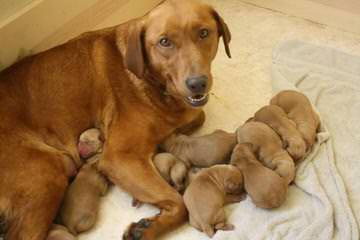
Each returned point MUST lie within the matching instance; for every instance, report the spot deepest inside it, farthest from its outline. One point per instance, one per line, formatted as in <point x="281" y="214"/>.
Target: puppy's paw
<point x="137" y="231"/>
<point x="286" y="170"/>
<point x="224" y="226"/>
<point x="296" y="147"/>
<point x="59" y="232"/>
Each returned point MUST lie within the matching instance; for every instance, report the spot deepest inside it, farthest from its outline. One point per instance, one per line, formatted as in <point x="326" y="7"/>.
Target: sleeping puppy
<point x="265" y="188"/>
<point x="208" y="193"/>
<point x="90" y="143"/>
<point x="82" y="198"/>
<point x="269" y="148"/>
<point x="204" y="151"/>
<point x="171" y="169"/>
<point x="59" y="232"/>
<point x="278" y="120"/>
<point x="191" y="174"/>
<point x="298" y="108"/>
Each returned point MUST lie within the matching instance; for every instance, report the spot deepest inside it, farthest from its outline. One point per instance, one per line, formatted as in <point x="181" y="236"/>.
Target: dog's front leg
<point x="133" y="171"/>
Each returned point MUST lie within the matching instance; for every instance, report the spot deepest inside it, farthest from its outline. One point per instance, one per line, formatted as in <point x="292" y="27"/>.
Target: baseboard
<point x="323" y="12"/>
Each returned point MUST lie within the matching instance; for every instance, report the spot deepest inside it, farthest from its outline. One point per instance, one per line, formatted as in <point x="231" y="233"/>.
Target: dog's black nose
<point x="197" y="85"/>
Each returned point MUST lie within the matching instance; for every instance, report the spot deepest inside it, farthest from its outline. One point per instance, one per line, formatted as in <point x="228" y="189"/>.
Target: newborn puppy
<point x="59" y="232"/>
<point x="81" y="203"/>
<point x="265" y="188"/>
<point x="90" y="143"/>
<point x="278" y="120"/>
<point x="204" y="151"/>
<point x="299" y="109"/>
<point x="268" y="145"/>
<point x="191" y="174"/>
<point x="171" y="169"/>
<point x="208" y="193"/>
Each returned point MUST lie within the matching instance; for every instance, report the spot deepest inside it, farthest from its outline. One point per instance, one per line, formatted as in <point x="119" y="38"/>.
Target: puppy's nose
<point x="197" y="85"/>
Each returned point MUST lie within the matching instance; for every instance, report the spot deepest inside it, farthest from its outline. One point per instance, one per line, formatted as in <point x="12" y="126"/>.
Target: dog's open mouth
<point x="197" y="100"/>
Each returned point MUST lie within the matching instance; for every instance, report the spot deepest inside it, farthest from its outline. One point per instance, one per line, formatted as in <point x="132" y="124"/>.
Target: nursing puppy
<point x="81" y="203"/>
<point x="298" y="108"/>
<point x="265" y="188"/>
<point x="90" y="143"/>
<point x="171" y="169"/>
<point x="208" y="193"/>
<point x="269" y="148"/>
<point x="278" y="120"/>
<point x="204" y="151"/>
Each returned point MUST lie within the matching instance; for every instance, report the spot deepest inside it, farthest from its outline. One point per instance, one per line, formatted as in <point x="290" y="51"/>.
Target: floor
<point x="242" y="85"/>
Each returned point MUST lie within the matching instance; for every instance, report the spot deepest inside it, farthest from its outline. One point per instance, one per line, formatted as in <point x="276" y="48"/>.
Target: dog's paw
<point x="136" y="231"/>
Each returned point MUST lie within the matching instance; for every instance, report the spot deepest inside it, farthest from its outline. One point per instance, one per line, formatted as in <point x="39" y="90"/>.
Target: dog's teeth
<point x="197" y="99"/>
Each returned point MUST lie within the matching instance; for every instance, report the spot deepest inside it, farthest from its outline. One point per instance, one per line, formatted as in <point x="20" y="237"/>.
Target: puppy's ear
<point x="250" y="146"/>
<point x="135" y="51"/>
<point x="224" y="31"/>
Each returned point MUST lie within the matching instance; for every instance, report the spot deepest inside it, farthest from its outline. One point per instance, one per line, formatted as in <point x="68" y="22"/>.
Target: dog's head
<point x="176" y="42"/>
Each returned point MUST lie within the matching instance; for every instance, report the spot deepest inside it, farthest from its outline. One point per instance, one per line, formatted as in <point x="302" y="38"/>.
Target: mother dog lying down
<point x="138" y="82"/>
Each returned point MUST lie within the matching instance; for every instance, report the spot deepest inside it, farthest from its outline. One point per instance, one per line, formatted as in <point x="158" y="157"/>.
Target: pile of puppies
<point x="262" y="153"/>
<point x="259" y="159"/>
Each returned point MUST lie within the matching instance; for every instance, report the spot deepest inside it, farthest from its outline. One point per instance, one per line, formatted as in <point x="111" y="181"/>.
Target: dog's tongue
<point x="84" y="150"/>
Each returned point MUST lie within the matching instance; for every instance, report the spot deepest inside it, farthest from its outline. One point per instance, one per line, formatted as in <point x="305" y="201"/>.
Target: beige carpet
<point x="242" y="85"/>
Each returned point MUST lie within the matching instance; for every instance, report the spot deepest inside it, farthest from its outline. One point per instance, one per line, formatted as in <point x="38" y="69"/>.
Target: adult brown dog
<point x="138" y="82"/>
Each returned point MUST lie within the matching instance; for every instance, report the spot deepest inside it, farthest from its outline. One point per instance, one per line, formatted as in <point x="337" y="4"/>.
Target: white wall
<point x="41" y="24"/>
<point x="10" y="7"/>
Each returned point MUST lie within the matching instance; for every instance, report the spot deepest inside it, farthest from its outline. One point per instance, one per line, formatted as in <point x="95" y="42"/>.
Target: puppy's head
<point x="243" y="154"/>
<point x="234" y="183"/>
<point x="90" y="143"/>
<point x="178" y="176"/>
<point x="176" y="43"/>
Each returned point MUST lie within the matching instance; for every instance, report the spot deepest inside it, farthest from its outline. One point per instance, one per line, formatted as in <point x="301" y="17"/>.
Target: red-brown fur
<point x="113" y="79"/>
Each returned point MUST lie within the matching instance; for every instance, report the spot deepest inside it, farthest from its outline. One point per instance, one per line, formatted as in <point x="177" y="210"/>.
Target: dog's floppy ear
<point x="135" y="51"/>
<point x="224" y="31"/>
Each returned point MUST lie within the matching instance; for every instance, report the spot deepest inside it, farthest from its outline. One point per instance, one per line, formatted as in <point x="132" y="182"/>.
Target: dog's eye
<point x="165" y="42"/>
<point x="204" y="33"/>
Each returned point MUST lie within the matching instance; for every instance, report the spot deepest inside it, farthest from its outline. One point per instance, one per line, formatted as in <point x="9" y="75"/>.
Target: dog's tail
<point x="2" y="227"/>
<point x="5" y="215"/>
